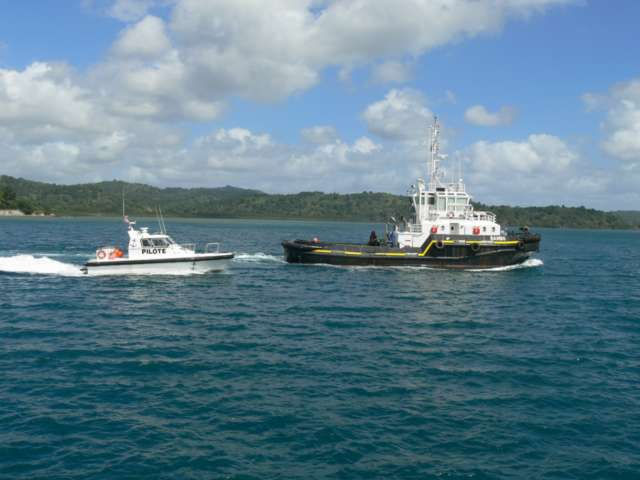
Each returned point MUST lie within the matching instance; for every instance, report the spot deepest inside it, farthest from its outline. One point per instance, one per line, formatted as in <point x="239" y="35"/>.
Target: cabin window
<point x="146" y="243"/>
<point x="484" y="229"/>
<point x="160" y="242"/>
<point x="431" y="200"/>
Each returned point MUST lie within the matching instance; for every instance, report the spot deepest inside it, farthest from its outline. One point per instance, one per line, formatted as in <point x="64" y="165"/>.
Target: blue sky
<point x="539" y="99"/>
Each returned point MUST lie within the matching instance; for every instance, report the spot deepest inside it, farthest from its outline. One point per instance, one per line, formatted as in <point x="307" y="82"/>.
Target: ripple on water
<point x="274" y="371"/>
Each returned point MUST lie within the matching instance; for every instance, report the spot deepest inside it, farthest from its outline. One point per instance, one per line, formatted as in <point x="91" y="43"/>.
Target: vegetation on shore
<point x="105" y="198"/>
<point x="10" y="201"/>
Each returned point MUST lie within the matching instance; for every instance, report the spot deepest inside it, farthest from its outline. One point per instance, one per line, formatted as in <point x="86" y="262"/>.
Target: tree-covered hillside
<point x="631" y="217"/>
<point x="556" y="217"/>
<point x="9" y="200"/>
<point x="105" y="198"/>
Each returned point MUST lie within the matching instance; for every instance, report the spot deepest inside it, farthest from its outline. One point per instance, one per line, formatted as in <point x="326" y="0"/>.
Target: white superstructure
<point x="444" y="208"/>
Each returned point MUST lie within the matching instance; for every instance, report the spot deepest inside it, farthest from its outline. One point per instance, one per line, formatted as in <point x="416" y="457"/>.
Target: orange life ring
<point x="101" y="254"/>
<point x="476" y="230"/>
<point x="434" y="229"/>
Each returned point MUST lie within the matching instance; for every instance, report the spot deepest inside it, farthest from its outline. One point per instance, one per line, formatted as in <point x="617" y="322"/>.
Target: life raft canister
<point x="476" y="230"/>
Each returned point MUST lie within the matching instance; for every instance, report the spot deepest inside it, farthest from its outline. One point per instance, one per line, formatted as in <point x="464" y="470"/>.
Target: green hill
<point x="629" y="216"/>
<point x="105" y="198"/>
<point x="556" y="217"/>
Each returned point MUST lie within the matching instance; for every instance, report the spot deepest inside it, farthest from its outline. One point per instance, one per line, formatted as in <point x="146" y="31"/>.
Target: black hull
<point x="435" y="253"/>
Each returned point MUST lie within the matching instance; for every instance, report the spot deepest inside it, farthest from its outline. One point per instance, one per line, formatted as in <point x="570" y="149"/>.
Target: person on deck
<point x="373" y="239"/>
<point x="394" y="237"/>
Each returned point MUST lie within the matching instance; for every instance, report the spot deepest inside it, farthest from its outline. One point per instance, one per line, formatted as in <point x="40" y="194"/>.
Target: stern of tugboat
<point x="295" y="251"/>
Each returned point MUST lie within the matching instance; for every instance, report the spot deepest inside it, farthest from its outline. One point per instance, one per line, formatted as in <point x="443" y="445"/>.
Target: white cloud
<point x="622" y="125"/>
<point x="479" y="115"/>
<point x="402" y="114"/>
<point x="131" y="10"/>
<point x="243" y="48"/>
<point x="147" y="38"/>
<point x="108" y="148"/>
<point x="540" y="170"/>
<point x="392" y="72"/>
<point x="539" y="154"/>
<point x="366" y="146"/>
<point x="44" y="94"/>
<point x="119" y="119"/>
<point x="211" y="51"/>
<point x="320" y="134"/>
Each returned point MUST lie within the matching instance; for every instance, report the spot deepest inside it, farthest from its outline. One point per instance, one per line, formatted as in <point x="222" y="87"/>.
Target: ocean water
<point x="277" y="371"/>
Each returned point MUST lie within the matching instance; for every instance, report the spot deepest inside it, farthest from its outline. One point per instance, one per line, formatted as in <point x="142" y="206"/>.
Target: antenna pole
<point x="164" y="227"/>
<point x="435" y="154"/>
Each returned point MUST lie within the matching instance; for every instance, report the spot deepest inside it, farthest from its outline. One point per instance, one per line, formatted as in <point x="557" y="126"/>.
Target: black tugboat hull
<point x="435" y="253"/>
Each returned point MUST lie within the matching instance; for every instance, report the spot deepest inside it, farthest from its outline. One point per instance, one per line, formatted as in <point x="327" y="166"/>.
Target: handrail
<point x="189" y="246"/>
<point x="208" y="247"/>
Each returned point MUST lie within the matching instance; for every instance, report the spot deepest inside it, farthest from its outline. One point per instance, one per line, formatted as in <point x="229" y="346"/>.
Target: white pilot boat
<point x="156" y="253"/>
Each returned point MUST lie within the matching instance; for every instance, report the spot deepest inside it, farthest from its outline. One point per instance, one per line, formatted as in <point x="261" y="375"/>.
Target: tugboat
<point x="445" y="232"/>
<point x="156" y="253"/>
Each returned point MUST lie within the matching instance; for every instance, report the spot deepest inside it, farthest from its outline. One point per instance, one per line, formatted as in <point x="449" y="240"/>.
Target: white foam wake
<point x="258" y="258"/>
<point x="530" y="263"/>
<point x="38" y="266"/>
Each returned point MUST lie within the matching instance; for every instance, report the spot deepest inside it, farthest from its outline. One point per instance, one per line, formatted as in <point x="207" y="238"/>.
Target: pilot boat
<point x="444" y="232"/>
<point x="156" y="253"/>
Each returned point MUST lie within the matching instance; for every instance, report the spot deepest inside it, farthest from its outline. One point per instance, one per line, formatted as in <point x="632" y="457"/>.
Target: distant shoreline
<point x="146" y="217"/>
<point x="104" y="199"/>
<point x="20" y="213"/>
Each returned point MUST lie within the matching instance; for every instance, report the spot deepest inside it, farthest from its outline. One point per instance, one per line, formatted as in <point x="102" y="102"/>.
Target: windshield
<point x="160" y="242"/>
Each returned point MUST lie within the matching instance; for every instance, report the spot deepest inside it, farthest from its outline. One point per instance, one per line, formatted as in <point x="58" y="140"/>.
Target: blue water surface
<point x="273" y="371"/>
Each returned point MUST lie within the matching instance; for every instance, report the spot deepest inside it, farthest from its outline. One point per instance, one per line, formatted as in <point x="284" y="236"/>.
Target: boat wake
<point x="257" y="258"/>
<point x="38" y="266"/>
<point x="530" y="263"/>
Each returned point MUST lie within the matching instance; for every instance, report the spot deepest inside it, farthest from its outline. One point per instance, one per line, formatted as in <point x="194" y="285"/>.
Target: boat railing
<point x="212" y="247"/>
<point x="411" y="228"/>
<point x="189" y="246"/>
<point x="488" y="216"/>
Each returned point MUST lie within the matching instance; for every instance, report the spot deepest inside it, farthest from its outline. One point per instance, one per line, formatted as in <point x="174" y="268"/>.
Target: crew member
<point x="373" y="239"/>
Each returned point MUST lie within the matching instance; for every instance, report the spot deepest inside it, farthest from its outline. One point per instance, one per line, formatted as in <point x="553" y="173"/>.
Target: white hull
<point x="185" y="267"/>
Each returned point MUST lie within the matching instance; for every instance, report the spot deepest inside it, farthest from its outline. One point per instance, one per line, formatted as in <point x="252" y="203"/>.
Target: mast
<point x="435" y="157"/>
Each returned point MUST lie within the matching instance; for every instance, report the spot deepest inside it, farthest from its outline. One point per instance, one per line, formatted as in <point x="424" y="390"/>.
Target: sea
<point x="278" y="371"/>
